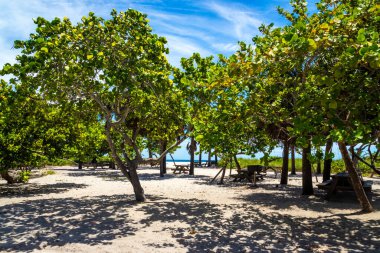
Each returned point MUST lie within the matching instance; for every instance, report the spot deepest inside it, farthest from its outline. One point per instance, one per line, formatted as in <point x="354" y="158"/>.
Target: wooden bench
<point x="181" y="169"/>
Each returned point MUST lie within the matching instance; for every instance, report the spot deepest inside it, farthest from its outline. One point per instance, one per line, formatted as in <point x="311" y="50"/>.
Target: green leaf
<point x="324" y="26"/>
<point x="199" y="137"/>
<point x="40" y="40"/>
<point x="90" y="56"/>
<point x="363" y="50"/>
<point x="312" y="44"/>
<point x="333" y="105"/>
<point x="45" y="49"/>
<point x="7" y="67"/>
<point x="375" y="36"/>
<point x="361" y="35"/>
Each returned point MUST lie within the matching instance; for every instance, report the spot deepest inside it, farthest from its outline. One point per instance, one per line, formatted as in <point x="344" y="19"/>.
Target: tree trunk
<point x="307" y="176"/>
<point x="135" y="181"/>
<point x="192" y="154"/>
<point x="356" y="182"/>
<point x="327" y="162"/>
<point x="130" y="172"/>
<point x="163" y="161"/>
<point x="223" y="174"/>
<point x="319" y="171"/>
<point x="80" y="165"/>
<point x="285" y="164"/>
<point x="123" y="168"/>
<point x="293" y="158"/>
<point x="5" y="175"/>
<point x="216" y="159"/>
<point x="150" y="155"/>
<point x="237" y="163"/>
<point x="200" y="156"/>
<point x="209" y="159"/>
<point x="355" y="160"/>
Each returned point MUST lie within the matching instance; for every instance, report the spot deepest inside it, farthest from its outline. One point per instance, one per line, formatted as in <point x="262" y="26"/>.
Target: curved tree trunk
<point x="356" y="182"/>
<point x="135" y="181"/>
<point x="130" y="172"/>
<point x="285" y="164"/>
<point x="293" y="158"/>
<point x="192" y="155"/>
<point x="237" y="163"/>
<point x="5" y="175"/>
<point x="307" y="176"/>
<point x="327" y="162"/>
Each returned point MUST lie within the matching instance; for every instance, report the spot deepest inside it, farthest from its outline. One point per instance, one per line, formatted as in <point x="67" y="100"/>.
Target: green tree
<point x="118" y="67"/>
<point x="32" y="131"/>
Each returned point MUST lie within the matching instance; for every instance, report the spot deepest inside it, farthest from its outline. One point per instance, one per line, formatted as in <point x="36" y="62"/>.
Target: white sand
<point x="94" y="211"/>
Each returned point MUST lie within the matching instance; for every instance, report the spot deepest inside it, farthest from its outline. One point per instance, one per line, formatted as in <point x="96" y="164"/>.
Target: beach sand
<point x="94" y="211"/>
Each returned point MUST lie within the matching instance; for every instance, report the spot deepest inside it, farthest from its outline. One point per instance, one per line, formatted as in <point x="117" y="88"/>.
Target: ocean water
<point x="186" y="160"/>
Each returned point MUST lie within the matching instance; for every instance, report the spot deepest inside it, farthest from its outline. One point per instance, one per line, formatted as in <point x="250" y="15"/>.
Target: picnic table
<point x="342" y="182"/>
<point x="251" y="174"/>
<point x="181" y="169"/>
<point x="96" y="165"/>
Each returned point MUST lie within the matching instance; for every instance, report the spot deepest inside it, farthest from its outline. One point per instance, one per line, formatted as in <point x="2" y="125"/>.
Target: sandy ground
<point x="94" y="211"/>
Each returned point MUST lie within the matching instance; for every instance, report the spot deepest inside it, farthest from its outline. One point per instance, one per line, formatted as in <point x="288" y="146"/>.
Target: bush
<point x="24" y="176"/>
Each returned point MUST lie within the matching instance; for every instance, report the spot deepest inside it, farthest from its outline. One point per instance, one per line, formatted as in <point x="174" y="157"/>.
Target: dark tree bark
<point x="285" y="164"/>
<point x="223" y="174"/>
<point x="356" y="182"/>
<point x="216" y="159"/>
<point x="150" y="155"/>
<point x="5" y="175"/>
<point x="200" y="156"/>
<point x="209" y="159"/>
<point x="293" y="158"/>
<point x="307" y="176"/>
<point x="237" y="163"/>
<point x="327" y="162"/>
<point x="80" y="165"/>
<point x="192" y="155"/>
<point x="129" y="171"/>
<point x="319" y="170"/>
<point x="163" y="161"/>
<point x="135" y="181"/>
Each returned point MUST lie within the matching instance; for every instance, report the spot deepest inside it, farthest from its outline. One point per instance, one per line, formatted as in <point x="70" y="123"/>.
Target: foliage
<point x="24" y="176"/>
<point x="31" y="128"/>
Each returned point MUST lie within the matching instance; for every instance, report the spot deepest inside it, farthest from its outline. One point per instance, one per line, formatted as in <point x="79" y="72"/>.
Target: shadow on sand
<point x="204" y="226"/>
<point x="35" y="224"/>
<point x="32" y="189"/>
<point x="115" y="175"/>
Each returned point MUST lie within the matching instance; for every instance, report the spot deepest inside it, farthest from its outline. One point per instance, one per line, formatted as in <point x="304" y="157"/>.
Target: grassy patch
<point x="48" y="172"/>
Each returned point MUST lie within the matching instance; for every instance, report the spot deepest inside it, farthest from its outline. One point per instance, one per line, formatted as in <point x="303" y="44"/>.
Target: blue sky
<point x="207" y="27"/>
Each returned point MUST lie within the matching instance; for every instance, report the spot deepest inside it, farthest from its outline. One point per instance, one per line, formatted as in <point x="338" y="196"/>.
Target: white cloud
<point x="16" y="20"/>
<point x="183" y="47"/>
<point x="243" y="22"/>
<point x="226" y="47"/>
